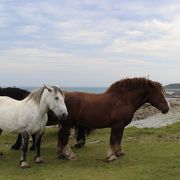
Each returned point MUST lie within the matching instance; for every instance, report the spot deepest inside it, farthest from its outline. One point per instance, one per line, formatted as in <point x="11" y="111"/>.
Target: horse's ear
<point x="48" y="88"/>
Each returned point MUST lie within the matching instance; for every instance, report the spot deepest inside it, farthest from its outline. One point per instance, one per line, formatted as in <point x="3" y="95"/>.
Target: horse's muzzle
<point x="63" y="117"/>
<point x="165" y="110"/>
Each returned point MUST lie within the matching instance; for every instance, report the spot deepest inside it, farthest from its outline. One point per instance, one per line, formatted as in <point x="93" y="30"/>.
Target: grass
<point x="151" y="154"/>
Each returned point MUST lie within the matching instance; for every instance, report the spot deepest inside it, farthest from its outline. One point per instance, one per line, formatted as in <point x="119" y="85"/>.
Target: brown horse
<point x="114" y="108"/>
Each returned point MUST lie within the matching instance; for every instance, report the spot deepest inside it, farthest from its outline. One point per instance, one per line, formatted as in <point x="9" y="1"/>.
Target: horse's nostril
<point x="64" y="116"/>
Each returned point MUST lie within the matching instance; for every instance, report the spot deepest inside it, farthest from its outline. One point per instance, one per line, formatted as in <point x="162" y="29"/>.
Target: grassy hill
<point x="173" y="86"/>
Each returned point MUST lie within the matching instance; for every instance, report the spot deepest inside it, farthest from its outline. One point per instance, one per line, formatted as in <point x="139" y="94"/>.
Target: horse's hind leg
<point x="38" y="136"/>
<point x="115" y="143"/>
<point x="17" y="144"/>
<point x="81" y="140"/>
<point x="25" y="139"/>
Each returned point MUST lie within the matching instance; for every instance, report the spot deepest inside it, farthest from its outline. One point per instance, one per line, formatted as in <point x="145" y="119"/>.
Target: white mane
<point x="36" y="95"/>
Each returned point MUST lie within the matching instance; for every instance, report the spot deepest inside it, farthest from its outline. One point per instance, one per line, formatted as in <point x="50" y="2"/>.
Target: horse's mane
<point x="133" y="83"/>
<point x="36" y="95"/>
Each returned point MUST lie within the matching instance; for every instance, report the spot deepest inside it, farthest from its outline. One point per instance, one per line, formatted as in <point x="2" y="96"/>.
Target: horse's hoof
<point x="72" y="158"/>
<point x="38" y="160"/>
<point x="32" y="148"/>
<point x="1" y="153"/>
<point x="121" y="153"/>
<point x="15" y="148"/>
<point x="79" y="145"/>
<point x="24" y="164"/>
<point x="62" y="157"/>
<point x="111" y="158"/>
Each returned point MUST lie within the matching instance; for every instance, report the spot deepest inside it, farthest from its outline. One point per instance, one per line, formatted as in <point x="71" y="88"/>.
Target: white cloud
<point x="154" y="38"/>
<point x="29" y="29"/>
<point x="102" y="41"/>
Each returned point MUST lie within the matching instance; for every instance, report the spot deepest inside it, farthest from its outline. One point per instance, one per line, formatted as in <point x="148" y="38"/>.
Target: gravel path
<point x="159" y="120"/>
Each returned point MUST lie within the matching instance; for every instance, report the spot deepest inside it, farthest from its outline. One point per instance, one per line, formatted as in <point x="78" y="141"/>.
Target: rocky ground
<point x="149" y="117"/>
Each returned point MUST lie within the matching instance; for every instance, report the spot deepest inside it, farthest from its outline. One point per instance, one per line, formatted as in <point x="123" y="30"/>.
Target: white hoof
<point x="120" y="153"/>
<point x="68" y="153"/>
<point x="38" y="160"/>
<point x="112" y="158"/>
<point x="72" y="157"/>
<point x="24" y="165"/>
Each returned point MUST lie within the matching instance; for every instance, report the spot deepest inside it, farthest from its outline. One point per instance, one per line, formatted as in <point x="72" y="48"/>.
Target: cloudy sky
<point x="88" y="42"/>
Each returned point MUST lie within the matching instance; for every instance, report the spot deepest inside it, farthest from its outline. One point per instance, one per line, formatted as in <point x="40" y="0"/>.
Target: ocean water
<point x="90" y="89"/>
<point x="79" y="89"/>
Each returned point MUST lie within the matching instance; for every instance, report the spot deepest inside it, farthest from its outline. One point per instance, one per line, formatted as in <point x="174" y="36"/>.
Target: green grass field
<point x="151" y="154"/>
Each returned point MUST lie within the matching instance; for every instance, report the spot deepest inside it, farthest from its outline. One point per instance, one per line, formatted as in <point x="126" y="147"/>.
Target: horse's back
<point x="79" y="100"/>
<point x="7" y="99"/>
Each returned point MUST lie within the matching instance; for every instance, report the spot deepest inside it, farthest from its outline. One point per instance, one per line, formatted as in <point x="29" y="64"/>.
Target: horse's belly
<point x="9" y="126"/>
<point x="41" y="127"/>
<point x="8" y="120"/>
<point x="94" y="122"/>
<point x="34" y="126"/>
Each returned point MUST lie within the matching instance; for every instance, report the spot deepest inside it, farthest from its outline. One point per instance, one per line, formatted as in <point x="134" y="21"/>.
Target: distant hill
<point x="173" y="86"/>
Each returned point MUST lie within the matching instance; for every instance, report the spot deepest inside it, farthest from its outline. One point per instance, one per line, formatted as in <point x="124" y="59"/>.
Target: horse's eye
<point x="56" y="98"/>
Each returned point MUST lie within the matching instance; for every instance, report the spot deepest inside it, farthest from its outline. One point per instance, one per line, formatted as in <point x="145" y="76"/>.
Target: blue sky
<point x="88" y="42"/>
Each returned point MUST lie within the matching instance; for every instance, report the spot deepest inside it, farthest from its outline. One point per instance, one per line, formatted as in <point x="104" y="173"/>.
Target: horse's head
<point x="157" y="99"/>
<point x="55" y="101"/>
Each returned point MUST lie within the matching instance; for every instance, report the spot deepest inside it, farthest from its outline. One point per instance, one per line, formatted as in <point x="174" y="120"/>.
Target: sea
<point x="90" y="89"/>
<point x="73" y="89"/>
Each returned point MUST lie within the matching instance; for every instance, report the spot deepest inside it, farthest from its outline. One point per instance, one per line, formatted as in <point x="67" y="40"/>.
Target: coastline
<point x="149" y="117"/>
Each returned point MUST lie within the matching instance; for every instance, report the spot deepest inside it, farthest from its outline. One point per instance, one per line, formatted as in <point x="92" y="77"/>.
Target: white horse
<point x="29" y="116"/>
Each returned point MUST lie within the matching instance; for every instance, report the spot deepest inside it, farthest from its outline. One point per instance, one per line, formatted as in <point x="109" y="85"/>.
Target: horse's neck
<point x="138" y="98"/>
<point x="43" y="105"/>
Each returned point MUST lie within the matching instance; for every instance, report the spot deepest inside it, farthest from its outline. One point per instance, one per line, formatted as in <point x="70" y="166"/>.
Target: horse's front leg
<point x="64" y="149"/>
<point x="25" y="139"/>
<point x="38" y="136"/>
<point x="115" y="148"/>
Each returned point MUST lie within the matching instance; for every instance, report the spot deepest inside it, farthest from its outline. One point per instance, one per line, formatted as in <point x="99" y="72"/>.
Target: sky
<point x="88" y="42"/>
